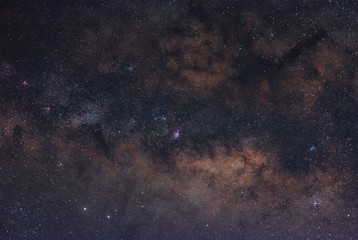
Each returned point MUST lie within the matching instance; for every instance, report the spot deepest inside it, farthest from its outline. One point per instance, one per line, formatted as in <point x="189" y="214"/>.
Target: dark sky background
<point x="178" y="119"/>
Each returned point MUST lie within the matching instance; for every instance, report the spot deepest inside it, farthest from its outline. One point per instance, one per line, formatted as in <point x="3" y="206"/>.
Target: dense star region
<point x="179" y="120"/>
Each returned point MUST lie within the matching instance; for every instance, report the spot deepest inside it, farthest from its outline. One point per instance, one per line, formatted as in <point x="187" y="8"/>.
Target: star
<point x="313" y="148"/>
<point x="47" y="109"/>
<point x="176" y="134"/>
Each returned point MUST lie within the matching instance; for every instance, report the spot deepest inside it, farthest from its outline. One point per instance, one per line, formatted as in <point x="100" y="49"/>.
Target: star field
<point x="178" y="120"/>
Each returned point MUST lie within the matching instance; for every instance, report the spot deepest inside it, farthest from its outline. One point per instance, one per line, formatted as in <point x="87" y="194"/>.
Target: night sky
<point x="178" y="120"/>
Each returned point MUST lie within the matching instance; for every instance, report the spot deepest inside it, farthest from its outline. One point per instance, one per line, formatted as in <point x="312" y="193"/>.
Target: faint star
<point x="130" y="68"/>
<point x="60" y="164"/>
<point x="47" y="110"/>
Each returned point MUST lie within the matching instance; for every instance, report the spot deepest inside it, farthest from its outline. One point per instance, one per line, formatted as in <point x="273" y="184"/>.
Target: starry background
<point x="178" y="119"/>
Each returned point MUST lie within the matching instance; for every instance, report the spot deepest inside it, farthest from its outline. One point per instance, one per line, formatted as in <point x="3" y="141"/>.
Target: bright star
<point x="176" y="134"/>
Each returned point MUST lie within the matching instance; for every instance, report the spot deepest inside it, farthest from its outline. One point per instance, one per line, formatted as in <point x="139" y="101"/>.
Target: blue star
<point x="176" y="134"/>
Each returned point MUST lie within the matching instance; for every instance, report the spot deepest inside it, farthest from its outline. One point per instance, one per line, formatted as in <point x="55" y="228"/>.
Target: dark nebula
<point x="179" y="119"/>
